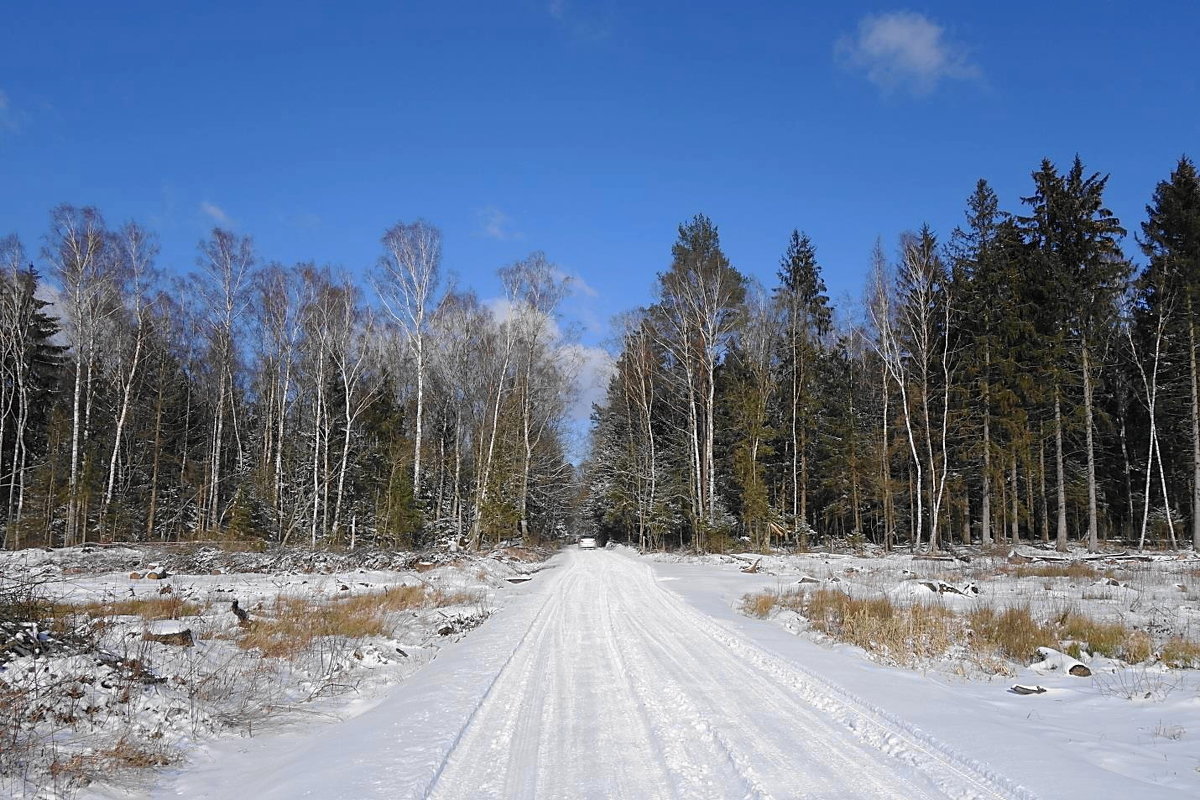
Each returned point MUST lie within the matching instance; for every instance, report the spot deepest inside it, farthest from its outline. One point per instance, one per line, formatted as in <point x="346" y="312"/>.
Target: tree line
<point x="1018" y="380"/>
<point x="272" y="403"/>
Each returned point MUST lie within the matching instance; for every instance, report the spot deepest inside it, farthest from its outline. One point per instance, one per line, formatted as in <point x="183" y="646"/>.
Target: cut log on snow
<point x="1025" y="554"/>
<point x="752" y="567"/>
<point x="1055" y="661"/>
<point x="941" y="587"/>
<point x="181" y="638"/>
<point x="943" y="557"/>
<point x="1023" y="689"/>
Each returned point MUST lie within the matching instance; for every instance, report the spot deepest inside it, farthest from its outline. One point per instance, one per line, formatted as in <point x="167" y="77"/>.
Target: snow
<point x="612" y="674"/>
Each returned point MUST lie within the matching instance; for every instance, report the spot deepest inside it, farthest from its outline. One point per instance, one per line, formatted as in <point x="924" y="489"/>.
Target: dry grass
<point x="290" y="626"/>
<point x="762" y="604"/>
<point x="158" y="607"/>
<point x="83" y="768"/>
<point x="1013" y="633"/>
<point x="1181" y="652"/>
<point x="1099" y="638"/>
<point x="1079" y="570"/>
<point x="759" y="605"/>
<point x="911" y="634"/>
<point x="404" y="598"/>
<point x="904" y="634"/>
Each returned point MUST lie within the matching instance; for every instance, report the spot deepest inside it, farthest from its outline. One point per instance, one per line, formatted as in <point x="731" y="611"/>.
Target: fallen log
<point x="181" y="638"/>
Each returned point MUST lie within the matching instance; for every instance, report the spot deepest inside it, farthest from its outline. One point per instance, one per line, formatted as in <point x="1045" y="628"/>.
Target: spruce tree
<point x="806" y="322"/>
<point x="1077" y="239"/>
<point x="1171" y="241"/>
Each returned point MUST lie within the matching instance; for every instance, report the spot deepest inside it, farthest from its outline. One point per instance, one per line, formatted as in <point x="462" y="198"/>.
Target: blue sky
<point x="586" y="129"/>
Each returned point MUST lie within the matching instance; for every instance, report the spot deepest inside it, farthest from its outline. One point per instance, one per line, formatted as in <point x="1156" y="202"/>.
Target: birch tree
<point x="135" y="250"/>
<point x="78" y="248"/>
<point x="226" y="266"/>
<point x="407" y="280"/>
<point x="699" y="306"/>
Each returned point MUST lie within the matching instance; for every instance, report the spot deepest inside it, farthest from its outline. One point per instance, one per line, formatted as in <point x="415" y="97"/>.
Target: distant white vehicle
<point x="587" y="543"/>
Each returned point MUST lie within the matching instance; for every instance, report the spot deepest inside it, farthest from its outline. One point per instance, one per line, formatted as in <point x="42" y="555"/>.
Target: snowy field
<point x="613" y="674"/>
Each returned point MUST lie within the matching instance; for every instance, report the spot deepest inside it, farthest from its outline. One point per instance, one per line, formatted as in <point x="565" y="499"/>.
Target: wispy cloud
<point x="10" y="117"/>
<point x="579" y="287"/>
<point x="304" y="220"/>
<point x="593" y="21"/>
<point x="495" y="224"/>
<point x="216" y="213"/>
<point x="593" y="368"/>
<point x="903" y="51"/>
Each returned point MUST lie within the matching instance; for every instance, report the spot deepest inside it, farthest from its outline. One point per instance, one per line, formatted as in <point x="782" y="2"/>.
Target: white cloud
<point x="587" y="21"/>
<point x="495" y="224"/>
<point x="217" y="213"/>
<point x="593" y="368"/>
<point x="10" y="120"/>
<point x="579" y="287"/>
<point x="905" y="51"/>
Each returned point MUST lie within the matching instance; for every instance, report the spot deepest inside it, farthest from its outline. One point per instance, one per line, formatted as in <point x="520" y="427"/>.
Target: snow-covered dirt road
<point x="597" y="682"/>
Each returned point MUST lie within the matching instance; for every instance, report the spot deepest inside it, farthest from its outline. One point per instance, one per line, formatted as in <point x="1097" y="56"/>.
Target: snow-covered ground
<point x="102" y="699"/>
<point x="1127" y="730"/>
<point x="611" y="674"/>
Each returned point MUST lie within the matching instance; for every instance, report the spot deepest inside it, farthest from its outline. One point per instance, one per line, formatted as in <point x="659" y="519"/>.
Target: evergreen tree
<point x="1171" y="241"/>
<point x="31" y="372"/>
<point x="806" y="321"/>
<point x="1077" y="240"/>
<point x="699" y="309"/>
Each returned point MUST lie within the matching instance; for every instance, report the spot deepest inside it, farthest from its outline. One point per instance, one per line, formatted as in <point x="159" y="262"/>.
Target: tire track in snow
<point x="618" y="688"/>
<point x="766" y="732"/>
<point x="954" y="773"/>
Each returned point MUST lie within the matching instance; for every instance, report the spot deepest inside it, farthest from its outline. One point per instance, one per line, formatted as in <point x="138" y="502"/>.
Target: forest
<point x="256" y="403"/>
<point x="1019" y="380"/>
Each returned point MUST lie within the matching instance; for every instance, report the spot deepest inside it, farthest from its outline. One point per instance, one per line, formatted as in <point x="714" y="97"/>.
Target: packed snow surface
<point x="599" y="680"/>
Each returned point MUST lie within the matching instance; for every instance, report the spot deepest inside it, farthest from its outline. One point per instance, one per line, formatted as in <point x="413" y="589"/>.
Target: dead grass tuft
<point x="1099" y="638"/>
<point x="1079" y="570"/>
<point x="1180" y="652"/>
<point x="759" y="605"/>
<point x="157" y="607"/>
<point x="83" y="768"/>
<point x="904" y="634"/>
<point x="290" y="626"/>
